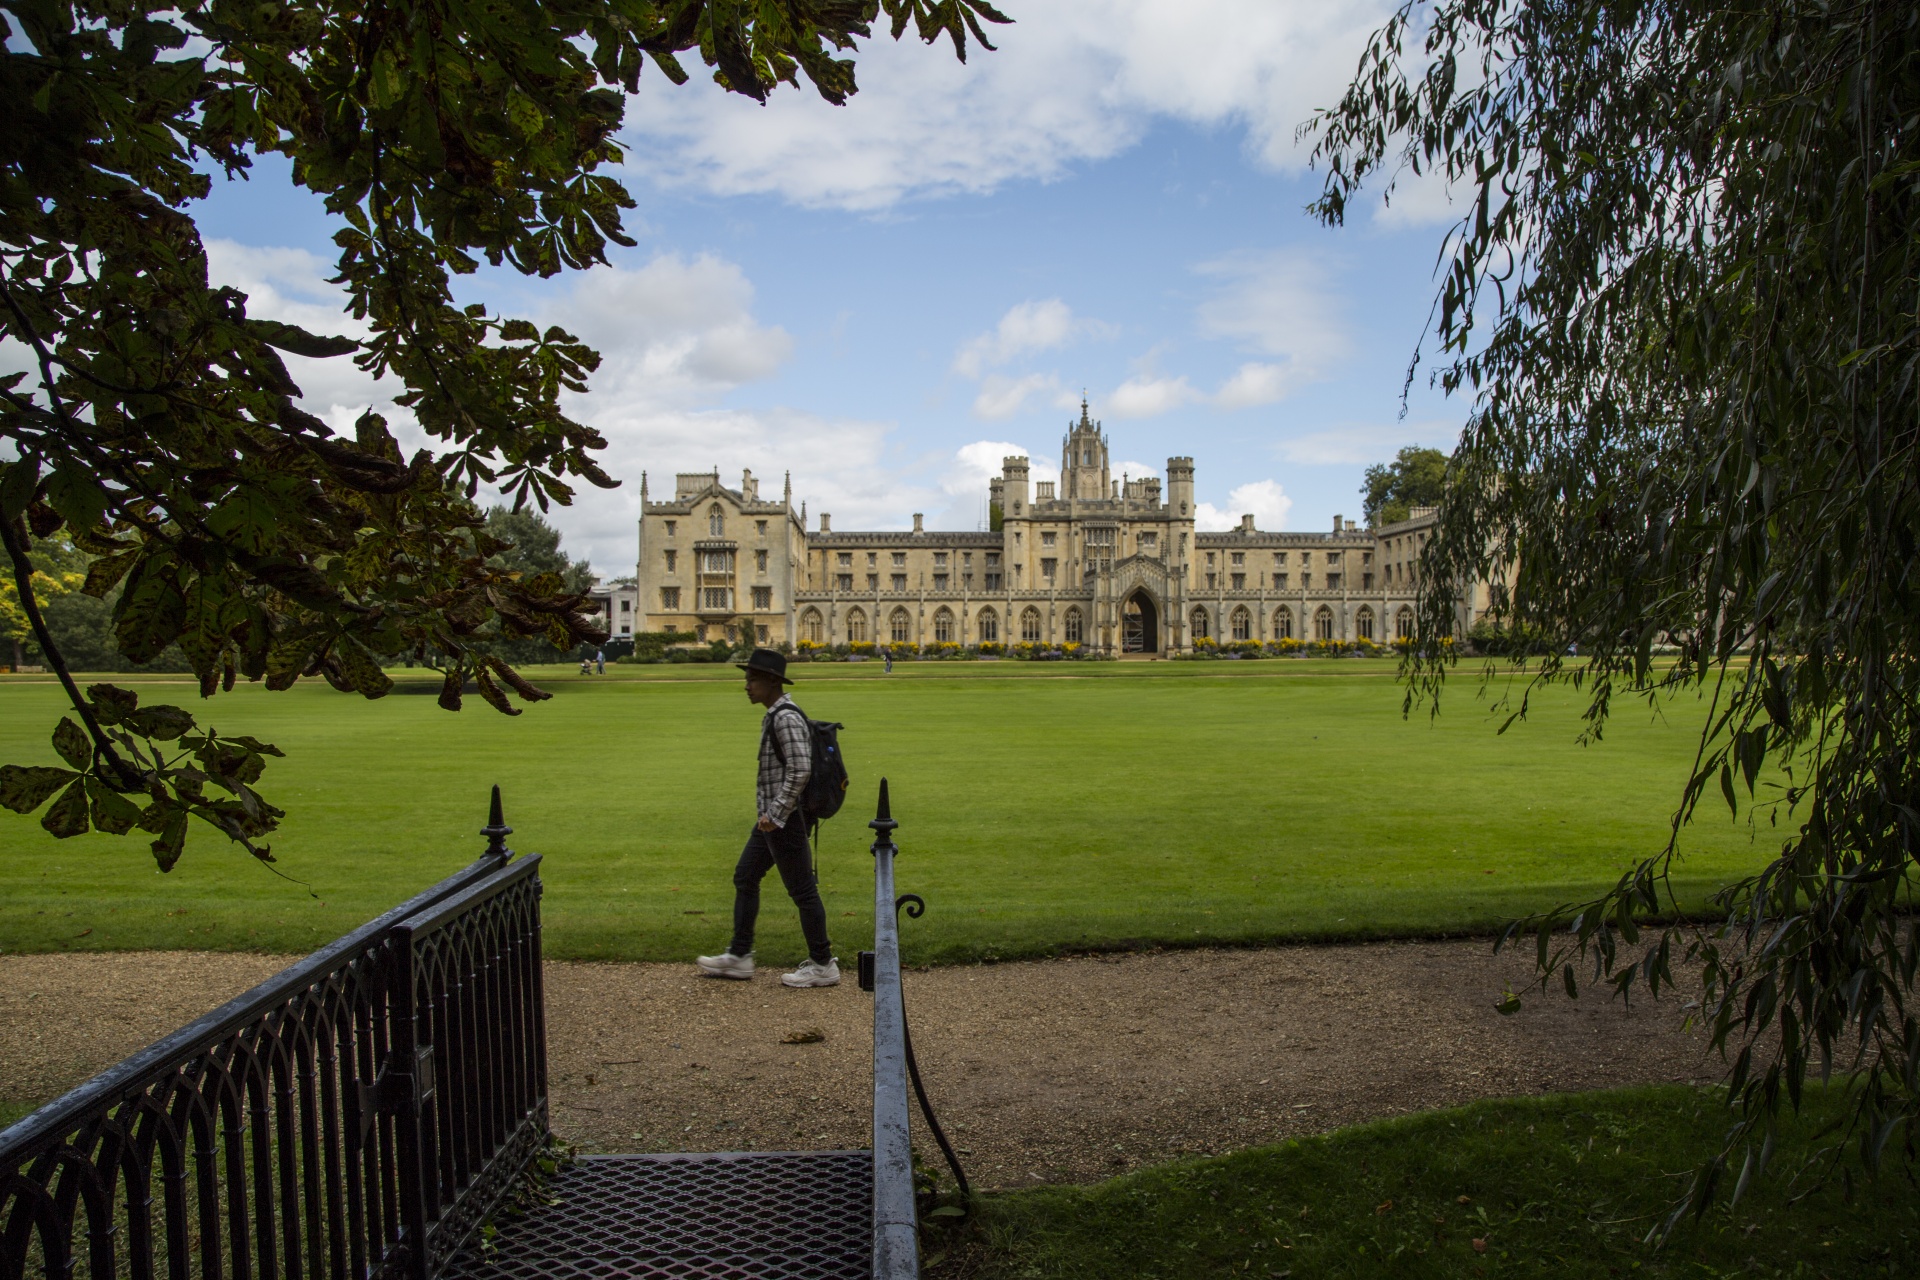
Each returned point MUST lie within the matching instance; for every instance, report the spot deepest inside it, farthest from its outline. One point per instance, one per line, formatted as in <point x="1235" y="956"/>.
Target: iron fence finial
<point x="496" y="831"/>
<point x="883" y="819"/>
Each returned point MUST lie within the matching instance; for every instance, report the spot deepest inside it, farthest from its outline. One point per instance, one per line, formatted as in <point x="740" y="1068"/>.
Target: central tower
<point x="1083" y="461"/>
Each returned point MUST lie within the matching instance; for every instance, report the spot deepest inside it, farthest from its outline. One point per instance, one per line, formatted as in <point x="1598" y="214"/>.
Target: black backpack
<point x="827" y="784"/>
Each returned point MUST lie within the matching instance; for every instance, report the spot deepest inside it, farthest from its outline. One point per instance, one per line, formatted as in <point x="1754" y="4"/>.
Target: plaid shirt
<point x="785" y="765"/>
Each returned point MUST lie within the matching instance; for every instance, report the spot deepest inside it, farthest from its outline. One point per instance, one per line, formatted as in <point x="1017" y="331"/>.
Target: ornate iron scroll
<point x="308" y="1128"/>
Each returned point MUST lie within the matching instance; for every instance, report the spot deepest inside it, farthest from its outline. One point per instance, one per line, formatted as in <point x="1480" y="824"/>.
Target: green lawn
<point x="1043" y="806"/>
<point x="1561" y="1186"/>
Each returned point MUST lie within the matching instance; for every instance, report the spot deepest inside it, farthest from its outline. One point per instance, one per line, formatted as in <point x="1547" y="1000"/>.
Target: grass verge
<point x="1562" y="1186"/>
<point x="1046" y="807"/>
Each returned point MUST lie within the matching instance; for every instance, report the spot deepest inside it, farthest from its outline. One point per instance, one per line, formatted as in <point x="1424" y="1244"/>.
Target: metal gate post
<point x="896" y="1244"/>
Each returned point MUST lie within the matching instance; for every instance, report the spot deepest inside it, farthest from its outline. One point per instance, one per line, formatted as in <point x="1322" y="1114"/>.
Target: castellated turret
<point x="1014" y="497"/>
<point x="1180" y="487"/>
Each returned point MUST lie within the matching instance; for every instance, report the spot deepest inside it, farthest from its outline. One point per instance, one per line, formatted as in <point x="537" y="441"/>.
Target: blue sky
<point x="885" y="298"/>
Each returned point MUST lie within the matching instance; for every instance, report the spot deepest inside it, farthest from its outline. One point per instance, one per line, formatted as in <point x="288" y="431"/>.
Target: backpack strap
<point x="766" y="728"/>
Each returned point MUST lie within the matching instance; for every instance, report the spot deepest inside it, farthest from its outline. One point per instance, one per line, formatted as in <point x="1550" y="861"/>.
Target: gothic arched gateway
<point x="1139" y="624"/>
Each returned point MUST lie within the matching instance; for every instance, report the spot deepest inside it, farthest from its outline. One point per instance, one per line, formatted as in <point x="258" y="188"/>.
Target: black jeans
<point x="786" y="849"/>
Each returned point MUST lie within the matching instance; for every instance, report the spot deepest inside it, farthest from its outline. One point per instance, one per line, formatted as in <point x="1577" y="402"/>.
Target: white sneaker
<point x="811" y="974"/>
<point x="726" y="965"/>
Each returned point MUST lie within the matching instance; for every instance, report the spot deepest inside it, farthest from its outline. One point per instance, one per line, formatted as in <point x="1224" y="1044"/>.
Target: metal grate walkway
<point x="800" y="1215"/>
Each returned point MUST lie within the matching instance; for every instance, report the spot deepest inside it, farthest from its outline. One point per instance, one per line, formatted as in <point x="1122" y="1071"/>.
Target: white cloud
<point x="1002" y="397"/>
<point x="672" y="332"/>
<point x="1070" y="83"/>
<point x="1025" y="328"/>
<point x="1137" y="470"/>
<point x="1278" y="305"/>
<point x="1265" y="500"/>
<point x="1145" y="396"/>
<point x="1366" y="443"/>
<point x="1417" y="200"/>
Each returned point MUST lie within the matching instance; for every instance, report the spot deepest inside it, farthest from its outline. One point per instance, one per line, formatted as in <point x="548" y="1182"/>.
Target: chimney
<point x="919" y="523"/>
<point x="826" y="522"/>
<point x="748" y="488"/>
<point x="1246" y="522"/>
<point x="1336" y="524"/>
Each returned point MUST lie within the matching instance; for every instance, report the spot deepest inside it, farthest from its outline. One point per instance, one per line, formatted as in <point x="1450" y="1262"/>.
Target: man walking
<point x="779" y="835"/>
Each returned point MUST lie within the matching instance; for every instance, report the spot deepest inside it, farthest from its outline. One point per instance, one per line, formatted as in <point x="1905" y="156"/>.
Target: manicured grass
<point x="1561" y="1186"/>
<point x="1043" y="806"/>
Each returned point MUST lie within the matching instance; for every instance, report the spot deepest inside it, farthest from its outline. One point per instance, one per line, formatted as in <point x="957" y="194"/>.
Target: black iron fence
<point x="358" y="1115"/>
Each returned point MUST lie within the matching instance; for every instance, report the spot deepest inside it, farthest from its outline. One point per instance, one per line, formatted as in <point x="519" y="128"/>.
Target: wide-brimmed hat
<point x="771" y="661"/>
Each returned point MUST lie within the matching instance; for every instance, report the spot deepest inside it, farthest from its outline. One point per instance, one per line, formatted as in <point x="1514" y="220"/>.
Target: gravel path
<point x="1054" y="1071"/>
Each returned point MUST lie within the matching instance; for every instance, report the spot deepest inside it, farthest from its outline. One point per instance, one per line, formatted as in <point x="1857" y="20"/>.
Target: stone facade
<point x="1088" y="559"/>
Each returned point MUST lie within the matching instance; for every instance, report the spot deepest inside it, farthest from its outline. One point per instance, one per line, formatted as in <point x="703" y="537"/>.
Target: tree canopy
<point x="158" y="429"/>
<point x="1415" y="478"/>
<point x="1681" y="300"/>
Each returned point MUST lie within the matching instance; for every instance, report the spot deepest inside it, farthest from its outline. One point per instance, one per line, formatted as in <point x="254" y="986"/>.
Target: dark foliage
<point x="1682" y="301"/>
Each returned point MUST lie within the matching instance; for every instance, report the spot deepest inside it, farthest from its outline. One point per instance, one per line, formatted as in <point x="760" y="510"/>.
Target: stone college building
<point x="1092" y="560"/>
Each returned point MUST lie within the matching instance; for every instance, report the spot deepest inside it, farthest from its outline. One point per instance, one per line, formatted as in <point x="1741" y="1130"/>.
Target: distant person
<point x="599" y="662"/>
<point x="889" y="666"/>
<point x="586" y="666"/>
<point x="779" y="835"/>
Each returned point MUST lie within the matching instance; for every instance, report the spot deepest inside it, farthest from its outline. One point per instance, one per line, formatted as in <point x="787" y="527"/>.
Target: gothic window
<point x="672" y="556"/>
<point x="1363" y="623"/>
<point x="1239" y="557"/>
<point x="1403" y="624"/>
<point x="669" y="597"/>
<point x="811" y="628"/>
<point x="1047" y="539"/>
<point x="844" y="581"/>
<point x="716" y="521"/>
<point x="763" y="597"/>
<point x="1279" y="582"/>
<point x="939" y="582"/>
<point x="856" y="625"/>
<point x="1199" y="624"/>
<point x="1323" y="624"/>
<point x="1239" y="581"/>
<point x="1030" y="626"/>
<point x="873" y="582"/>
<point x="669" y="528"/>
<point x="846" y="559"/>
<point x="989" y="626"/>
<point x="943" y="626"/>
<point x="1242" y="625"/>
<point x="1074" y="628"/>
<point x="760" y="561"/>
<point x="712" y="598"/>
<point x="1283" y="624"/>
<point x="899" y="582"/>
<point x="899" y="559"/>
<point x="760" y="527"/>
<point x="900" y="626"/>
